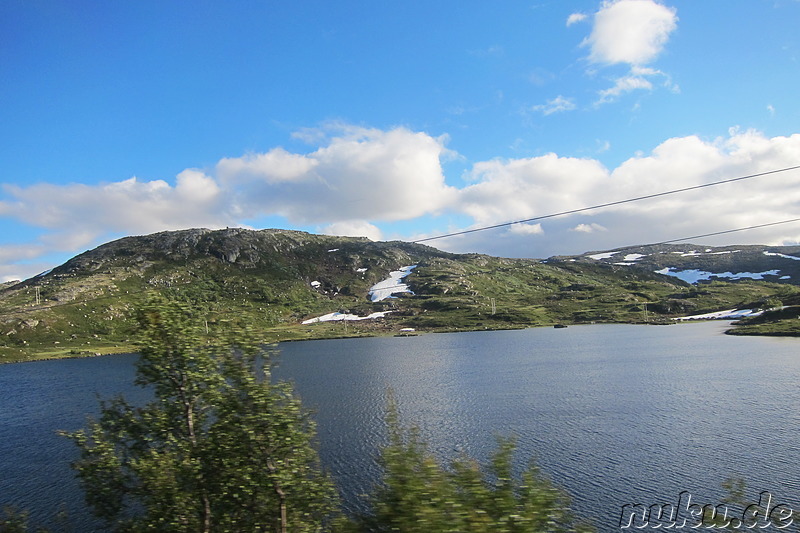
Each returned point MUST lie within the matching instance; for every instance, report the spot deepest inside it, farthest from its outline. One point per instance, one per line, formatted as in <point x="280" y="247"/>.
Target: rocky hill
<point x="295" y="285"/>
<point x="691" y="263"/>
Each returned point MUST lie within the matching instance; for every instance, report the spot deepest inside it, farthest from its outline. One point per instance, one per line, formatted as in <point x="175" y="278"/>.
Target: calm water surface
<point x="615" y="414"/>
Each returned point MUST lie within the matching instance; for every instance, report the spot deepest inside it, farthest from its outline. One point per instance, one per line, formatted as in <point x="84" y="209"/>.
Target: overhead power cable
<point x="721" y="232"/>
<point x="609" y="204"/>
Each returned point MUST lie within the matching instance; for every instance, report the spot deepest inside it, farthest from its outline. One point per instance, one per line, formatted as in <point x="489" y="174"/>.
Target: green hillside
<point x="276" y="279"/>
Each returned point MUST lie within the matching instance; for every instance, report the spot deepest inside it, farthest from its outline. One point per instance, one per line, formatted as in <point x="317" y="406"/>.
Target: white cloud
<point x="355" y="174"/>
<point x="365" y="174"/>
<point x="624" y="85"/>
<point x="69" y="239"/>
<point x="194" y="187"/>
<point x="128" y="206"/>
<point x="574" y="18"/>
<point x="360" y="173"/>
<point x="275" y="166"/>
<point x="526" y="229"/>
<point x="630" y="31"/>
<point x="354" y="228"/>
<point x="518" y="189"/>
<point x="360" y="180"/>
<point x="589" y="228"/>
<point x="14" y="273"/>
<point x="558" y="104"/>
<point x="639" y="78"/>
<point x="16" y="260"/>
<point x="20" y="252"/>
<point x="522" y="188"/>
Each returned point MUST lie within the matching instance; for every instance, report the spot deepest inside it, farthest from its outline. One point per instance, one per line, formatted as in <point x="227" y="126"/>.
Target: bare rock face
<point x="173" y="256"/>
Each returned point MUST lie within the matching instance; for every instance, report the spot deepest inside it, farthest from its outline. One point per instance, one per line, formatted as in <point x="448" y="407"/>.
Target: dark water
<point x="615" y="414"/>
<point x="36" y="400"/>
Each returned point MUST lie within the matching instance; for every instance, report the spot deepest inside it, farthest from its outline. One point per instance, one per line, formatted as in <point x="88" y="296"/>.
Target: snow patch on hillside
<point x="391" y="285"/>
<point x="724" y="252"/>
<point x="694" y="275"/>
<point x="707" y="251"/>
<point x="337" y="317"/>
<point x="728" y="314"/>
<point x="633" y="257"/>
<point x="606" y="255"/>
<point x="782" y="255"/>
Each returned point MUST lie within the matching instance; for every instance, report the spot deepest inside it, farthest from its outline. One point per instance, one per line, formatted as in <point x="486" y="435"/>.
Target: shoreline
<point x="127" y="349"/>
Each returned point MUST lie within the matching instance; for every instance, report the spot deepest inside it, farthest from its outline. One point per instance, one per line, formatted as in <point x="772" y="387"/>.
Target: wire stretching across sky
<point x="724" y="232"/>
<point x="609" y="204"/>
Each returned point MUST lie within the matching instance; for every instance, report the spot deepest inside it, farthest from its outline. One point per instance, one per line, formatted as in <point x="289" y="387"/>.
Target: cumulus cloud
<point x="623" y="85"/>
<point x="520" y="228"/>
<point x="79" y="216"/>
<point x="520" y="189"/>
<point x="354" y="174"/>
<point x="574" y="18"/>
<point x="128" y="206"/>
<point x="589" y="228"/>
<point x="16" y="252"/>
<point x="18" y="261"/>
<point x="633" y="33"/>
<point x="358" y="181"/>
<point x="630" y="31"/>
<point x="558" y="104"/>
<point x="354" y="228"/>
<point x="364" y="174"/>
<point x="275" y="166"/>
<point x="15" y="272"/>
<point x="360" y="173"/>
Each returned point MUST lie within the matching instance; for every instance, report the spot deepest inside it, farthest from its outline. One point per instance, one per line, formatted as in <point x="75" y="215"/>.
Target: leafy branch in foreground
<point x="220" y="448"/>
<point x="418" y="495"/>
<point x="13" y="521"/>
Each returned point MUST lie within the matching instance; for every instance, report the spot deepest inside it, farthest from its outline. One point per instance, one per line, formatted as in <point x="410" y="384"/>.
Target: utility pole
<point x="37" y="295"/>
<point x="494" y="308"/>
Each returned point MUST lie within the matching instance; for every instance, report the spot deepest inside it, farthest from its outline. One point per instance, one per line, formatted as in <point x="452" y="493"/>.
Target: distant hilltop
<point x="283" y="281"/>
<point x="693" y="263"/>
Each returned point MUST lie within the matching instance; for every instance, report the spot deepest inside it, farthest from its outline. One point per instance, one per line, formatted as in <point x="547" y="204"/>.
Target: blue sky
<point x="397" y="120"/>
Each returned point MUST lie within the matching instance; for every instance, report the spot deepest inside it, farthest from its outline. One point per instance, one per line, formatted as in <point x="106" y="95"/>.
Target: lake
<point x="615" y="414"/>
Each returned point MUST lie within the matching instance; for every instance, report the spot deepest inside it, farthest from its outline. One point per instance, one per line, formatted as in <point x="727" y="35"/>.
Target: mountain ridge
<point x="278" y="279"/>
<point x="780" y="264"/>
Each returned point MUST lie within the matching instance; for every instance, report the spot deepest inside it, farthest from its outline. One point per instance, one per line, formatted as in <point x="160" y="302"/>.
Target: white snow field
<point x="391" y="285"/>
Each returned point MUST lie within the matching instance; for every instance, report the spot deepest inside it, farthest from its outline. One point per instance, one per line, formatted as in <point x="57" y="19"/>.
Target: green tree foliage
<point x="739" y="512"/>
<point x="418" y="495"/>
<point x="220" y="448"/>
<point x="13" y="521"/>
